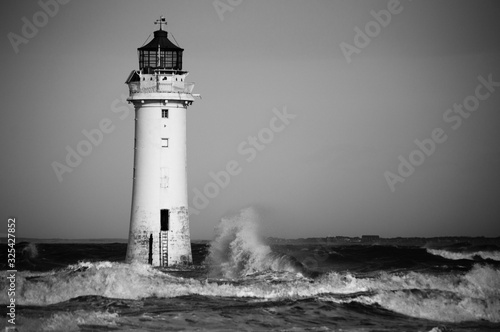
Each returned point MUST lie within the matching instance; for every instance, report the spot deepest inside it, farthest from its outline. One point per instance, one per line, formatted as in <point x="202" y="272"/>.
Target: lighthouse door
<point x="164" y="216"/>
<point x="164" y="227"/>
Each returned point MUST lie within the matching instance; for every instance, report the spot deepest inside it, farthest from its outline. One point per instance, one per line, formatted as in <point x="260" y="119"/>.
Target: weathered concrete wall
<point x="179" y="245"/>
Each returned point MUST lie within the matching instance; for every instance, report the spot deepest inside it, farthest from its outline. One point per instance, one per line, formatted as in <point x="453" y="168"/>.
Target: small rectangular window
<point x="164" y="114"/>
<point x="164" y="142"/>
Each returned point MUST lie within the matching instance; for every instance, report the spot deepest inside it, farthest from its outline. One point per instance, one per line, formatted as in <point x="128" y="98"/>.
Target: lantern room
<point x="160" y="53"/>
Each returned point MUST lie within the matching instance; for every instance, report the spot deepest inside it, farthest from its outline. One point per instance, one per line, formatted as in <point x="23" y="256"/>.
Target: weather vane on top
<point x="161" y="21"/>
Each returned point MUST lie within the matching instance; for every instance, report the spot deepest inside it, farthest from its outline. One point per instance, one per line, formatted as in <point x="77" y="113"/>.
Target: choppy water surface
<point x="238" y="283"/>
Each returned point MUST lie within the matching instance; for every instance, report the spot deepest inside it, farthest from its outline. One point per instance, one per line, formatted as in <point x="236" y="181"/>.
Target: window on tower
<point x="164" y="142"/>
<point x="164" y="113"/>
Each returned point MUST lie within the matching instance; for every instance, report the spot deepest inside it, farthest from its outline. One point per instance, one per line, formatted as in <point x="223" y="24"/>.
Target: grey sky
<point x="322" y="175"/>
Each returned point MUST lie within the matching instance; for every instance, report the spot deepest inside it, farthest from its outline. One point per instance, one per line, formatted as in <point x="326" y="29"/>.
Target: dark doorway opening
<point x="164" y="219"/>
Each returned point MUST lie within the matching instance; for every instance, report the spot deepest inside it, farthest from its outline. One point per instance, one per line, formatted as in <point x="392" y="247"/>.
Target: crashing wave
<point x="493" y="255"/>
<point x="474" y="295"/>
<point x="30" y="250"/>
<point x="238" y="250"/>
<point x="246" y="267"/>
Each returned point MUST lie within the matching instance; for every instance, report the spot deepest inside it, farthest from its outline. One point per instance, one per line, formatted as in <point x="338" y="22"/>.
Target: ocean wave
<point x="72" y="321"/>
<point x="493" y="255"/>
<point x="238" y="250"/>
<point x="448" y="297"/>
<point x="30" y="250"/>
<point x="438" y="305"/>
<point x="242" y="266"/>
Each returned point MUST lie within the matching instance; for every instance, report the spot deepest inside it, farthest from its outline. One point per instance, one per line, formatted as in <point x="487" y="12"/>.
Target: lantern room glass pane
<point x="168" y="59"/>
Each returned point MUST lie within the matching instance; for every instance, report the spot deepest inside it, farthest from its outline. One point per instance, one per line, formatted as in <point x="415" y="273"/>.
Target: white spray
<point x="239" y="250"/>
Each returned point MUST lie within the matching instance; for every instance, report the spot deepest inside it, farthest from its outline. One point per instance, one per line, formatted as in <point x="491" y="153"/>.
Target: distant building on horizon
<point x="370" y="238"/>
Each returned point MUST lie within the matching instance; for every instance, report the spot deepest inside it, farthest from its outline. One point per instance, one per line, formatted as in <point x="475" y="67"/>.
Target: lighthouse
<point x="159" y="221"/>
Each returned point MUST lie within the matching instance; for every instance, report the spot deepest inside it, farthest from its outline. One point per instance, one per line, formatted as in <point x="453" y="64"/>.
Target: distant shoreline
<point x="337" y="240"/>
<point x="396" y="241"/>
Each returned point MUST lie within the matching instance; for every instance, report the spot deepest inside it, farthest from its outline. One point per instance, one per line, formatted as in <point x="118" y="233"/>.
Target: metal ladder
<point x="164" y="248"/>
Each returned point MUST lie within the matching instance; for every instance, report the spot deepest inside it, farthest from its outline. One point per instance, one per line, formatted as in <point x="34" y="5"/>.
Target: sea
<point x="241" y="281"/>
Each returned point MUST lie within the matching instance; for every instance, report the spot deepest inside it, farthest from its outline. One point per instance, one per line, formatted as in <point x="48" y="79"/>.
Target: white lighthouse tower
<point x="159" y="221"/>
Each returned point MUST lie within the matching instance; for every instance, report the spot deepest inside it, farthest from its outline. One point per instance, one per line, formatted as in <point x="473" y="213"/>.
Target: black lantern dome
<point x="160" y="53"/>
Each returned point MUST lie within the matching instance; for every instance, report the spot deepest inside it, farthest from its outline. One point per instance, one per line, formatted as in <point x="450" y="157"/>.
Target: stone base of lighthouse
<point x="159" y="224"/>
<point x="160" y="247"/>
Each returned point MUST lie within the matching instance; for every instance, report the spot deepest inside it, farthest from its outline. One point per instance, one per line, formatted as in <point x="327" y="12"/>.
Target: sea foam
<point x="244" y="266"/>
<point x="452" y="298"/>
<point x="493" y="255"/>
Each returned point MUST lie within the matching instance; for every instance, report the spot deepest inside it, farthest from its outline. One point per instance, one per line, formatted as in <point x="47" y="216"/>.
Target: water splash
<point x="238" y="249"/>
<point x="30" y="251"/>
